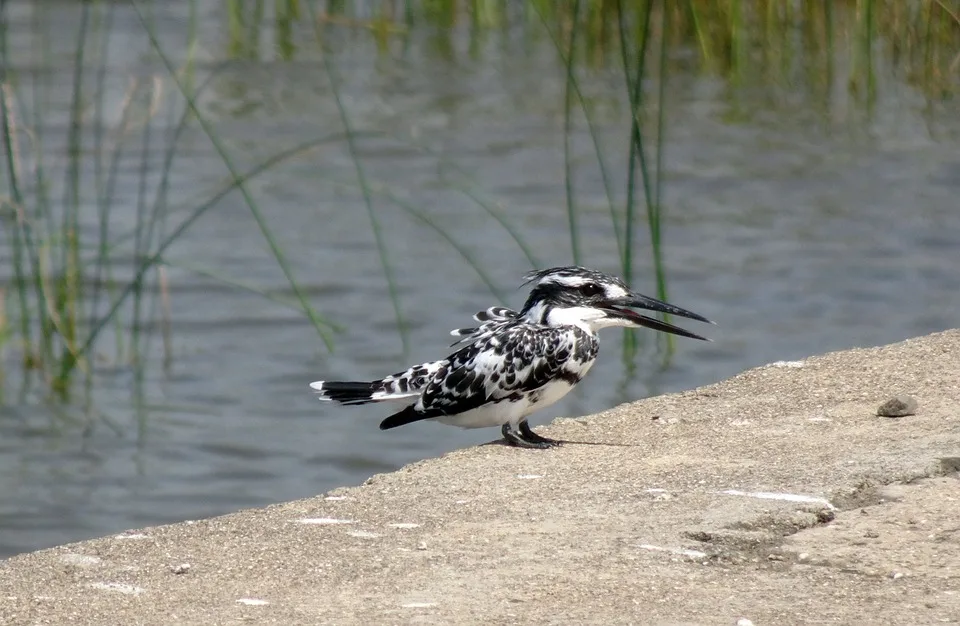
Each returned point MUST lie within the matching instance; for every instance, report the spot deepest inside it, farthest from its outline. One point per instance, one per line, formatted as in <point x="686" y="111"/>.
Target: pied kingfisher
<point x="515" y="363"/>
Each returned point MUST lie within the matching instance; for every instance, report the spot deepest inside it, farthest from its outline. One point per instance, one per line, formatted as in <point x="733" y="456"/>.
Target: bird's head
<point x="576" y="296"/>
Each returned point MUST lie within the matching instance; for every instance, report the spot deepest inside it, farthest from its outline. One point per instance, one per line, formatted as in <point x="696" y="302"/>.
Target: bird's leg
<point x="521" y="441"/>
<point x="533" y="437"/>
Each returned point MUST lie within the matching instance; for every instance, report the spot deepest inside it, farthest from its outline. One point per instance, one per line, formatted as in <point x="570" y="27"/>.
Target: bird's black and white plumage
<point x="514" y="363"/>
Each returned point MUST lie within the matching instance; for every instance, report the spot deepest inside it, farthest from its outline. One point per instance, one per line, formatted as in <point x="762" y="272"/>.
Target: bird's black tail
<point x="348" y="392"/>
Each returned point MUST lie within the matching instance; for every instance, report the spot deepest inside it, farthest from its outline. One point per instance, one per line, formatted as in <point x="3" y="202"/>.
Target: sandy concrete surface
<point x="777" y="497"/>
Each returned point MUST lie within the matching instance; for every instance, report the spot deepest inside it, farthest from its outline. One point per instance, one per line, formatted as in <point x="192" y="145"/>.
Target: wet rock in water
<point x="898" y="406"/>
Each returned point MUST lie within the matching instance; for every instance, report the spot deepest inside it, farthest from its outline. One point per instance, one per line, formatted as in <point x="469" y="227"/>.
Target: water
<point x="799" y="228"/>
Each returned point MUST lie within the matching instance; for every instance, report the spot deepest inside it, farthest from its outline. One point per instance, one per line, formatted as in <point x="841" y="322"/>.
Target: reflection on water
<point x="799" y="224"/>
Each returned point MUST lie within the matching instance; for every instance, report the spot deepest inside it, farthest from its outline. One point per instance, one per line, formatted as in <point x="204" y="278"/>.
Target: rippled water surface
<point x="799" y="225"/>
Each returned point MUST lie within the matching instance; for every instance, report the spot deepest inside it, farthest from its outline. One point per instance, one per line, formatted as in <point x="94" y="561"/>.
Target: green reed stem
<point x="235" y="183"/>
<point x="567" y="132"/>
<point x="228" y="162"/>
<point x="362" y="180"/>
<point x="573" y="83"/>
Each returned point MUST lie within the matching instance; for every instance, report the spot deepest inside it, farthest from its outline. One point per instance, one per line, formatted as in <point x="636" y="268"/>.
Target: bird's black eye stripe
<point x="591" y="289"/>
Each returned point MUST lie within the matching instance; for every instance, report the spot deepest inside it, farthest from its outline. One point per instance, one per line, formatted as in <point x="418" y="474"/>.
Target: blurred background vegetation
<point x="70" y="284"/>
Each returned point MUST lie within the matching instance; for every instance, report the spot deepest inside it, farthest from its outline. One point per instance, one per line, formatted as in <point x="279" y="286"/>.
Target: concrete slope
<point x="777" y="497"/>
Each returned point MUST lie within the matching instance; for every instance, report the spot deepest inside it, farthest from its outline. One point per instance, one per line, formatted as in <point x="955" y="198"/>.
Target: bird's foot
<point x="526" y="438"/>
<point x="531" y="436"/>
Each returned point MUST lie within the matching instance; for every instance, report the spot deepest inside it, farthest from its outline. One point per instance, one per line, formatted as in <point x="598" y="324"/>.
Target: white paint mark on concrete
<point x="419" y="605"/>
<point x="119" y="588"/>
<point x="693" y="554"/>
<point x="80" y="560"/>
<point x="252" y="601"/>
<point x="132" y="536"/>
<point x="819" y="419"/>
<point x="793" y="364"/>
<point x="788" y="497"/>
<point x="325" y="520"/>
<point x="404" y="525"/>
<point x="363" y="534"/>
<point x="529" y="476"/>
<point x="743" y="621"/>
<point x="656" y="490"/>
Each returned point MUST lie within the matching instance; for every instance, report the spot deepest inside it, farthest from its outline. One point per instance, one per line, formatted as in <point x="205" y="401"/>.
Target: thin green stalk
<point x="235" y="26"/>
<point x="104" y="187"/>
<point x="141" y="244"/>
<point x="16" y="242"/>
<point x="737" y="41"/>
<point x="489" y="209"/>
<point x="7" y="128"/>
<point x="228" y="162"/>
<point x="253" y="32"/>
<point x="156" y="222"/>
<point x="361" y="178"/>
<point x="868" y="53"/>
<point x="594" y="132"/>
<point x="567" y="131"/>
<point x="69" y="292"/>
<point x="828" y="28"/>
<point x="655" y="210"/>
<point x="236" y="182"/>
<point x="236" y="283"/>
<point x="461" y="250"/>
<point x="421" y="216"/>
<point x="703" y="38"/>
<point x="636" y="152"/>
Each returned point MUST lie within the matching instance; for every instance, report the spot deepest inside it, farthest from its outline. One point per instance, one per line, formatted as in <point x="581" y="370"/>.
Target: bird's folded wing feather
<point x="491" y="320"/>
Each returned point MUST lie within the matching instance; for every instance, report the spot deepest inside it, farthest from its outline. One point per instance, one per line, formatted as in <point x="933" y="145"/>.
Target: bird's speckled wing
<point x="491" y="320"/>
<point x="519" y="358"/>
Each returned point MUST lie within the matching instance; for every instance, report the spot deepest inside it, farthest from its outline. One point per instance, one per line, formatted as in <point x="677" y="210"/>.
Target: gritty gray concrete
<point x="777" y="496"/>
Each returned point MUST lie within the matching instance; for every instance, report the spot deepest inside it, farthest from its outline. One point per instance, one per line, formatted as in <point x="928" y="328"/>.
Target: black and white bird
<point x="515" y="363"/>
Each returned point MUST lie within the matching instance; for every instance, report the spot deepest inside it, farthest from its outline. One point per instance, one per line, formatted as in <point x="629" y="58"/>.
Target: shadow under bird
<point x="515" y="363"/>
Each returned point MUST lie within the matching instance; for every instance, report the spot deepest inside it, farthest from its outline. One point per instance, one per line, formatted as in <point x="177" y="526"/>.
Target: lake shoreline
<point x="777" y="496"/>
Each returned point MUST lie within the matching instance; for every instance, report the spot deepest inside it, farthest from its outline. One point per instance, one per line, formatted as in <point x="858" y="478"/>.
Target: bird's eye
<point x="591" y="289"/>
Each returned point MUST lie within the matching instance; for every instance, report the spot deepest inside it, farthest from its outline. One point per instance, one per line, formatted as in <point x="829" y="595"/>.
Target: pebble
<point x="898" y="406"/>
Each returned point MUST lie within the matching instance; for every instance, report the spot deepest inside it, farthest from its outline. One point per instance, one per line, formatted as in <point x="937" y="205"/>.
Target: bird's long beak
<point x="618" y="308"/>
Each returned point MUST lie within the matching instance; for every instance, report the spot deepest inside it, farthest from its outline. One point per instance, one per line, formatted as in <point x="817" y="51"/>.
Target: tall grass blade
<point x="573" y="83"/>
<point x="153" y="259"/>
<point x="636" y="155"/>
<point x="361" y="179"/>
<point x="488" y="207"/>
<point x="228" y="162"/>
<point x="655" y="209"/>
<point x="567" y="132"/>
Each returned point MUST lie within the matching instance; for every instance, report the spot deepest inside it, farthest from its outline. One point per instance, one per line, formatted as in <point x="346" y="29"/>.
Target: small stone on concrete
<point x="898" y="406"/>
